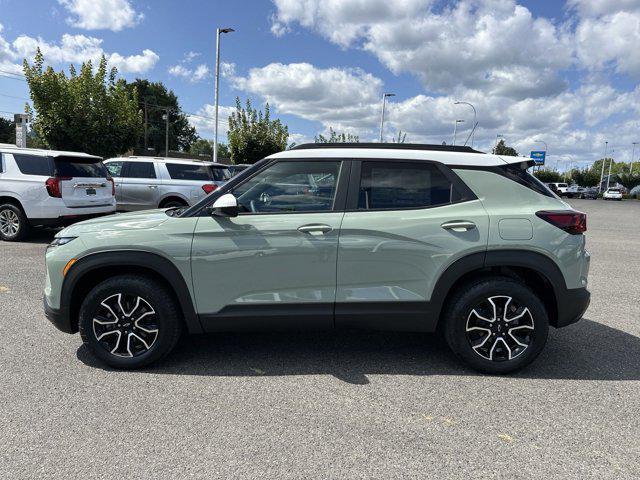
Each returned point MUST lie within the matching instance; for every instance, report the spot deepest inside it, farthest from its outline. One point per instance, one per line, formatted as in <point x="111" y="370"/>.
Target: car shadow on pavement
<point x="41" y="235"/>
<point x="585" y="351"/>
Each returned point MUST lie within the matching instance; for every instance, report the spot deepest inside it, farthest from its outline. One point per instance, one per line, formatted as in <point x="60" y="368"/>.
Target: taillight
<point x="209" y="187"/>
<point x="53" y="186"/>
<point x="113" y="187"/>
<point x="568" y="220"/>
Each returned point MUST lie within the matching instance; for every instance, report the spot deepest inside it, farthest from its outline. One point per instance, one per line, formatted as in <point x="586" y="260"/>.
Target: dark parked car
<point x="589" y="194"/>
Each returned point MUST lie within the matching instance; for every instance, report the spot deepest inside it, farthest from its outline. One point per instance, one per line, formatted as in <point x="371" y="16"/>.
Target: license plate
<point x="91" y="191"/>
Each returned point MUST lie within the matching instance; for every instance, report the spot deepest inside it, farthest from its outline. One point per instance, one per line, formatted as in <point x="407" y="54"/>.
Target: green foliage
<point x="86" y="111"/>
<point x="548" y="176"/>
<point x="158" y="99"/>
<point x="204" y="147"/>
<point x="7" y="131"/>
<point x="629" y="181"/>
<point x="586" y="177"/>
<point x="335" y="137"/>
<point x="400" y="138"/>
<point x="502" y="149"/>
<point x="253" y="135"/>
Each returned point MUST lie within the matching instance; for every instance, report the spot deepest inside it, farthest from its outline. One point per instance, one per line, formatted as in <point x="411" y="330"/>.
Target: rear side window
<point x="140" y="170"/>
<point x="79" y="167"/>
<point x="220" y="174"/>
<point x="404" y="185"/>
<point x="34" y="165"/>
<point x="519" y="174"/>
<point x="179" y="171"/>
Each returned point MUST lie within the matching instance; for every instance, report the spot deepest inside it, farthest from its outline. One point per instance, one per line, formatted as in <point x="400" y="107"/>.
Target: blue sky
<point x="565" y="73"/>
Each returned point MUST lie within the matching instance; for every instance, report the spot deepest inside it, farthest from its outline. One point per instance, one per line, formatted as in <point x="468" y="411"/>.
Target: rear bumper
<point x="572" y="305"/>
<point x="66" y="220"/>
<point x="59" y="318"/>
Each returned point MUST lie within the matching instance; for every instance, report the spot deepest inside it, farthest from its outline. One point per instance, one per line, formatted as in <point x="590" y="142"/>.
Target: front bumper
<point x="59" y="318"/>
<point x="572" y="305"/>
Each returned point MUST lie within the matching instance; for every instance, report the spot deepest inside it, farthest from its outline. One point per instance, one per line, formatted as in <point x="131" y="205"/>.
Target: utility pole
<point x="217" y="81"/>
<point x="384" y="99"/>
<point x="146" y="121"/>
<point x="166" y="133"/>
<point x="606" y="144"/>
<point x="455" y="130"/>
<point x="633" y="154"/>
<point x="610" y="162"/>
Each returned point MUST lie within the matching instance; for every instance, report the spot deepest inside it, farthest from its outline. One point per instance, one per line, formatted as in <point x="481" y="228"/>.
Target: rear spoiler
<point x="522" y="162"/>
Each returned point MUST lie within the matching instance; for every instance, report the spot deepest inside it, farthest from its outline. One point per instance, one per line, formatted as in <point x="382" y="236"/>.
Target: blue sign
<point x="538" y="156"/>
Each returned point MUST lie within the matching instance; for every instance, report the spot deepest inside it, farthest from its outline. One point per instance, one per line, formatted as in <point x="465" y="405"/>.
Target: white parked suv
<point x="612" y="194"/>
<point x="153" y="182"/>
<point x="50" y="188"/>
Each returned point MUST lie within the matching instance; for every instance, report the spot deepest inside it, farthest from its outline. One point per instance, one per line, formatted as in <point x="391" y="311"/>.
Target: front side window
<point x="398" y="185"/>
<point x="115" y="168"/>
<point x="290" y="187"/>
<point x="33" y="165"/>
<point x="141" y="170"/>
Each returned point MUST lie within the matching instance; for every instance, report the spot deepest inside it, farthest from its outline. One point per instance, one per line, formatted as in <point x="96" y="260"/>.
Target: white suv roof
<point x="10" y="148"/>
<point x="448" y="155"/>
<point x="186" y="161"/>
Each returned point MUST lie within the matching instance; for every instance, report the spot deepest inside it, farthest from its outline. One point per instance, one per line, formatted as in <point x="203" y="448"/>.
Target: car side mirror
<point x="225" y="206"/>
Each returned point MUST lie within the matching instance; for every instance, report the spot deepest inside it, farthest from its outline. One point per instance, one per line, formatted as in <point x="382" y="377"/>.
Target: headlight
<point x="61" y="241"/>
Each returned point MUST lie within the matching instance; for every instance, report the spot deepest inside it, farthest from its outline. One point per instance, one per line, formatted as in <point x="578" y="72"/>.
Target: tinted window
<point x="519" y="174"/>
<point x="140" y="170"/>
<point x="290" y="187"/>
<point x="79" y="167"/>
<point x="33" y="165"/>
<point x="220" y="174"/>
<point x="403" y="185"/>
<point x="115" y="168"/>
<point x="181" y="171"/>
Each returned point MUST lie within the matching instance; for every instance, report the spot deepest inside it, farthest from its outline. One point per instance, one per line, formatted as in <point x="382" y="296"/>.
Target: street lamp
<point x="384" y="99"/>
<point x="604" y="160"/>
<point x="455" y="130"/>
<point x="473" y="131"/>
<point x="633" y="154"/>
<point x="165" y="117"/>
<point x="217" y="75"/>
<point x="610" y="162"/>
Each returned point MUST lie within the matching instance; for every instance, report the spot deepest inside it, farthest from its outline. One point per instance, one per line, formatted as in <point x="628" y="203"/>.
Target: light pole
<point x="165" y="117"/>
<point x="384" y="100"/>
<point x="475" y="116"/>
<point x="610" y="162"/>
<point x="633" y="154"/>
<point x="606" y="144"/>
<point x="455" y="130"/>
<point x="217" y="75"/>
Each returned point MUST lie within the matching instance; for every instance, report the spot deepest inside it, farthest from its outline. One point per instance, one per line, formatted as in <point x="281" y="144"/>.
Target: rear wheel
<point x="496" y="325"/>
<point x="14" y="225"/>
<point x="171" y="203"/>
<point x="129" y="321"/>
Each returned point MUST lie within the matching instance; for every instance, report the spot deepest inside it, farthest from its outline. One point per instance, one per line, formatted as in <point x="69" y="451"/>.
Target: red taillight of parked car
<point x="209" y="187"/>
<point x="568" y="220"/>
<point x="53" y="186"/>
<point x="113" y="187"/>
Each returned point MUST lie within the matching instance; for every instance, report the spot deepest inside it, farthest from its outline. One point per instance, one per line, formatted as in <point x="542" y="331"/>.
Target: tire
<point x="485" y="351"/>
<point x="108" y="316"/>
<point x="14" y="225"/>
<point x="172" y="204"/>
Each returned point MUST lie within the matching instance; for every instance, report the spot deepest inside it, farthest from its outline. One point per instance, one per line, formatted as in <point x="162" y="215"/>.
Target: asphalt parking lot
<point x="350" y="405"/>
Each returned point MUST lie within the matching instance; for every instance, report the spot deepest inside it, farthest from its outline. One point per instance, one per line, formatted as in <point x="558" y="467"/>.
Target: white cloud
<point x="193" y="75"/>
<point x="81" y="48"/>
<point x="227" y="69"/>
<point x="101" y="14"/>
<point x="8" y="57"/>
<point x="204" y="122"/>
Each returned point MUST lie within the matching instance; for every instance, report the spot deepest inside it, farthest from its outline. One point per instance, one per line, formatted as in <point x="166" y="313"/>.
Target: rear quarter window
<point x="181" y="171"/>
<point x="33" y="165"/>
<point x="519" y="174"/>
<point x="220" y="174"/>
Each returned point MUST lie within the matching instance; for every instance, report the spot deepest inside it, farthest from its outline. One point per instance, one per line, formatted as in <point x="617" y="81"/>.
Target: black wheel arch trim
<point x="136" y="258"/>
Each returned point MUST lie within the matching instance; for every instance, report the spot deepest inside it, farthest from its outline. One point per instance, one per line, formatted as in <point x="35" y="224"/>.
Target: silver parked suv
<point x="153" y="182"/>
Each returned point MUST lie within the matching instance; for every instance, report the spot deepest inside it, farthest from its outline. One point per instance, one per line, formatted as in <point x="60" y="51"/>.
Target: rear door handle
<point x="458" y="225"/>
<point x="315" y="228"/>
<point x="152" y="186"/>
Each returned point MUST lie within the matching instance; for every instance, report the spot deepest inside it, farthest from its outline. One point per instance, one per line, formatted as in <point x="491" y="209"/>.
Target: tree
<point x="86" y="111"/>
<point x="502" y="149"/>
<point x="202" y="147"/>
<point x="156" y="99"/>
<point x="629" y="181"/>
<point x="7" y="131"/>
<point x="335" y="137"/>
<point x="253" y="135"/>
<point x="547" y="176"/>
<point x="401" y="137"/>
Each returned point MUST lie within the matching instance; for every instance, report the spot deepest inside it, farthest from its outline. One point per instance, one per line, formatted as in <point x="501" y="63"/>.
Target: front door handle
<point x="315" y="228"/>
<point x="152" y="186"/>
<point x="458" y="225"/>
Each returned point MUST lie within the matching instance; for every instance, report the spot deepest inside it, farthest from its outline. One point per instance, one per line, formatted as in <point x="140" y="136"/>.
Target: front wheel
<point x="496" y="325"/>
<point x="129" y="321"/>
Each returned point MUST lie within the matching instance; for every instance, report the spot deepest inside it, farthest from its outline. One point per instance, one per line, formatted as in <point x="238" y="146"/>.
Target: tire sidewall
<point x="159" y="301"/>
<point x="455" y="328"/>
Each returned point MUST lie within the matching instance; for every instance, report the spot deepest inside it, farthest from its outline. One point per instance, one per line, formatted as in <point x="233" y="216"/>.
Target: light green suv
<point x="416" y="238"/>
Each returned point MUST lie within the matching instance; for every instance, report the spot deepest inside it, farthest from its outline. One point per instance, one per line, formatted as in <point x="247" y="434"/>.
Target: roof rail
<point x="389" y="146"/>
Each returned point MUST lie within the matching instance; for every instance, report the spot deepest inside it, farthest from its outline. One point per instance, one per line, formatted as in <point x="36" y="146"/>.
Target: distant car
<point x="144" y="183"/>
<point x="559" y="189"/>
<point x="575" y="191"/>
<point x="612" y="194"/>
<point x="589" y="194"/>
<point x="635" y="191"/>
<point x="50" y="188"/>
<point x="236" y="169"/>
